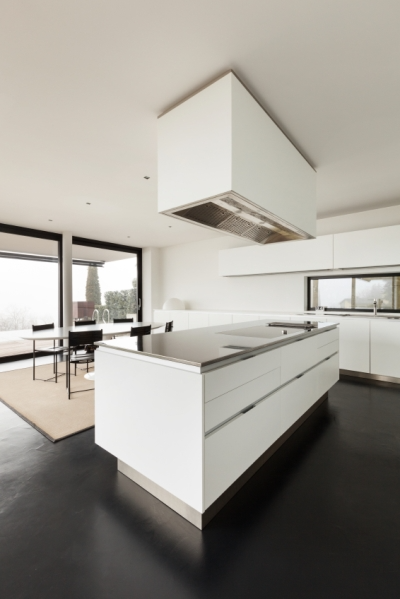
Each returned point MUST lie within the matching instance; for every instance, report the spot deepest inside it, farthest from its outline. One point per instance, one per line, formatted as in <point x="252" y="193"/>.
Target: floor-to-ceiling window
<point x="106" y="281"/>
<point x="29" y="286"/>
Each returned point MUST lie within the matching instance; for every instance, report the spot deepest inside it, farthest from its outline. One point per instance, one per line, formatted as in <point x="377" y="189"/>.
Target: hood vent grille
<point x="237" y="217"/>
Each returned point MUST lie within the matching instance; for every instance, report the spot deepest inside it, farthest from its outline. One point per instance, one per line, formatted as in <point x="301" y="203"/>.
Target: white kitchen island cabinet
<point x="191" y="414"/>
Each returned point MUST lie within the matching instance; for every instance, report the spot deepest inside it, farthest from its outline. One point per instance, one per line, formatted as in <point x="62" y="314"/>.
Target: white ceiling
<point x="83" y="81"/>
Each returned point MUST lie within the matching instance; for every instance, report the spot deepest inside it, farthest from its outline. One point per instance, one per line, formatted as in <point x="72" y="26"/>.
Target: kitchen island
<point x="191" y="415"/>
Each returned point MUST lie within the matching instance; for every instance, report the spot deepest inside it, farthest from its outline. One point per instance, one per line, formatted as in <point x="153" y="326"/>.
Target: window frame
<point x="104" y="245"/>
<point x="38" y="234"/>
<point x="350" y="276"/>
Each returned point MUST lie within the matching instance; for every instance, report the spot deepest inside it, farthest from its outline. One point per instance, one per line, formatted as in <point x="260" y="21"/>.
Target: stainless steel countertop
<point x="206" y="348"/>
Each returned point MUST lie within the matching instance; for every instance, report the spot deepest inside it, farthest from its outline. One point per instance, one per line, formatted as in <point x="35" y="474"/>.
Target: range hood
<point x="224" y="164"/>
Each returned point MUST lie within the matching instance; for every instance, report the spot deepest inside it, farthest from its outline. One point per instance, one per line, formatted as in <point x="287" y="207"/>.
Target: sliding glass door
<point x="106" y="281"/>
<point x="29" y="287"/>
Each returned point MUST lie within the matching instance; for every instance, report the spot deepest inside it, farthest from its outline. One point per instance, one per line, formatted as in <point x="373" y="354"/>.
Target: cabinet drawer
<point x="327" y="374"/>
<point x="230" y="450"/>
<point x="235" y="375"/>
<point x="227" y="405"/>
<point x="300" y="396"/>
<point x="328" y="350"/>
<point x="328" y="337"/>
<point x="298" y="357"/>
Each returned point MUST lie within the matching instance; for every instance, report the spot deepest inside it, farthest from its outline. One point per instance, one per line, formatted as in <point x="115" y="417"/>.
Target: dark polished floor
<point x="320" y="520"/>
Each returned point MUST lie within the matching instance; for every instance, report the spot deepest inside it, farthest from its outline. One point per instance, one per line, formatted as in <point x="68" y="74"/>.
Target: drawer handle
<point x="326" y="359"/>
<point x="248" y="409"/>
<point x="299" y="376"/>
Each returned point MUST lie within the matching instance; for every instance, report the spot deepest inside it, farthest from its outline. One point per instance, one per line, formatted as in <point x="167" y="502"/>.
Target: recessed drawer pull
<point x="326" y="359"/>
<point x="299" y="376"/>
<point x="248" y="409"/>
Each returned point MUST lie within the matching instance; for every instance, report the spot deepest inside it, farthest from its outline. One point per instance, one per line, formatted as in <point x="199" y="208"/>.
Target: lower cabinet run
<point x="192" y="438"/>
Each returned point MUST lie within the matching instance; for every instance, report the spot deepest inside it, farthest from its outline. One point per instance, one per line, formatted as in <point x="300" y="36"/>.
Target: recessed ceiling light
<point x="129" y="236"/>
<point x="170" y="226"/>
<point x="88" y="203"/>
<point x="50" y="220"/>
<point x="146" y="177"/>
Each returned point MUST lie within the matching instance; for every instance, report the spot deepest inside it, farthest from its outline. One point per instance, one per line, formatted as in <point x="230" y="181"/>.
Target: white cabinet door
<point x="244" y="317"/>
<point x="233" y="448"/>
<point x="372" y="247"/>
<point x="217" y="318"/>
<point x="327" y="374"/>
<point x="385" y="348"/>
<point x="198" y="320"/>
<point x="180" y="318"/>
<point x="300" y="396"/>
<point x="354" y="344"/>
<point x="291" y="256"/>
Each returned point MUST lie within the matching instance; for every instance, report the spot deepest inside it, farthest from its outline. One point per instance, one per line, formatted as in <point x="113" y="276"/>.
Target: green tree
<point x="93" y="292"/>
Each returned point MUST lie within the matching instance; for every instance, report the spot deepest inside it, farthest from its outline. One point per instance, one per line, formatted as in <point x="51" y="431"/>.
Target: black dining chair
<point x="54" y="351"/>
<point x="138" y="331"/>
<point x="85" y="339"/>
<point x="83" y="323"/>
<point x="169" y="326"/>
<point x="123" y="319"/>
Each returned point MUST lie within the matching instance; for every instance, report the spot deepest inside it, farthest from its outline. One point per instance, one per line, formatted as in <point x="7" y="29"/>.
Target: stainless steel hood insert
<point x="237" y="216"/>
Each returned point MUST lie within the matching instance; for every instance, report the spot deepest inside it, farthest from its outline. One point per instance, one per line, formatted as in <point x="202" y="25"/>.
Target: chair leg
<point x="69" y="375"/>
<point x="34" y="359"/>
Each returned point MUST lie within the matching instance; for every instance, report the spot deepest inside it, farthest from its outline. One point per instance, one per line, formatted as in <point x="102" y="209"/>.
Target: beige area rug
<point x="45" y="405"/>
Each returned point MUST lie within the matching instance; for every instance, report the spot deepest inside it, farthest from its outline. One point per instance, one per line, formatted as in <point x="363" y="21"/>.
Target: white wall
<point x="151" y="282"/>
<point x="190" y="272"/>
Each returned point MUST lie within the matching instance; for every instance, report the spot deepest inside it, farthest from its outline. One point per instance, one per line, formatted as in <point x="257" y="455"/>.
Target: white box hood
<point x="224" y="164"/>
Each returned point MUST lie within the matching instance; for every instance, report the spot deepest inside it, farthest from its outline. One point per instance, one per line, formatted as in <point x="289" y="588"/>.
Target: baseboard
<point x="379" y="378"/>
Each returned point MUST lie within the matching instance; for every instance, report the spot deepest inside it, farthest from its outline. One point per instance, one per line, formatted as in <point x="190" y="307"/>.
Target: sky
<point x="29" y="289"/>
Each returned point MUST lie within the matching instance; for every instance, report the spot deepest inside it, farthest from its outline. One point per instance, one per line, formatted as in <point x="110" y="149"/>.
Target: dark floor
<point x="320" y="520"/>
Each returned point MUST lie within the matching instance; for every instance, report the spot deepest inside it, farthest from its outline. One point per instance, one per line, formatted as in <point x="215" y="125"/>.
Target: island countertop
<point x="210" y="347"/>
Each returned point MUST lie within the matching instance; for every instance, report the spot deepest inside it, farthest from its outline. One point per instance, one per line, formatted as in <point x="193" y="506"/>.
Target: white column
<point x="67" y="278"/>
<point x="151" y="282"/>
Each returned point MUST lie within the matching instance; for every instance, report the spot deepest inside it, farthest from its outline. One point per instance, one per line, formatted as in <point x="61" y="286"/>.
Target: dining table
<point x="110" y="329"/>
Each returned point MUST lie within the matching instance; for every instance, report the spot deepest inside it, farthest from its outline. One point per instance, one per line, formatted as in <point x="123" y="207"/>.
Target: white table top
<point x="109" y="329"/>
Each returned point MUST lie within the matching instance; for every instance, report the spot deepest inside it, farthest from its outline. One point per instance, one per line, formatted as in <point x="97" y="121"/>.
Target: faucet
<point x="95" y="315"/>
<point x="375" y="303"/>
<point x="108" y="315"/>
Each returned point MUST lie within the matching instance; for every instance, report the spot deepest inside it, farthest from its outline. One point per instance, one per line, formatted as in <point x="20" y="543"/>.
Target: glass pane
<point x="331" y="293"/>
<point x="29" y="289"/>
<point x="356" y="293"/>
<point x="104" y="284"/>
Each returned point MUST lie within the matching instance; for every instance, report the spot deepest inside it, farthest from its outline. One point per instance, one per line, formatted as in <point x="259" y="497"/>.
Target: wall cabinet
<point x="290" y="256"/>
<point x="372" y="247"/>
<point x="355" y="249"/>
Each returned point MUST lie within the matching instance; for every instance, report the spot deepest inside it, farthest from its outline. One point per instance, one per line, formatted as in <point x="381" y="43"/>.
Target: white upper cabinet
<point x="291" y="256"/>
<point x="372" y="247"/>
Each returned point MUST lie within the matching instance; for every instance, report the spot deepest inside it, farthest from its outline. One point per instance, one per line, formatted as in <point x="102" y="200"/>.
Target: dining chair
<point x="54" y="351"/>
<point x="169" y="326"/>
<point x="83" y="323"/>
<point x="139" y="331"/>
<point x="123" y="319"/>
<point x="85" y="339"/>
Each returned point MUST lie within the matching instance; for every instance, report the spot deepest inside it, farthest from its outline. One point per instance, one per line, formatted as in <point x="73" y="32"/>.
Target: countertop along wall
<point x="190" y="271"/>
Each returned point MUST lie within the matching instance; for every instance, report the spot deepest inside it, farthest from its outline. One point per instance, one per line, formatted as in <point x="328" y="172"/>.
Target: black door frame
<point x="104" y="245"/>
<point x="23" y="231"/>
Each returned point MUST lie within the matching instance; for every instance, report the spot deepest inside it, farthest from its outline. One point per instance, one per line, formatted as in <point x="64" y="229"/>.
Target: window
<point x="29" y="287"/>
<point x="355" y="292"/>
<point x="106" y="281"/>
